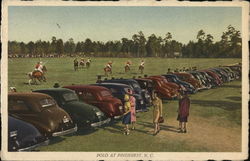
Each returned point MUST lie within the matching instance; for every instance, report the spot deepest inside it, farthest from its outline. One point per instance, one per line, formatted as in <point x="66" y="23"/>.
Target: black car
<point x="83" y="114"/>
<point x="135" y="86"/>
<point x="119" y="90"/>
<point x="23" y="136"/>
<point x="203" y="80"/>
<point x="173" y="78"/>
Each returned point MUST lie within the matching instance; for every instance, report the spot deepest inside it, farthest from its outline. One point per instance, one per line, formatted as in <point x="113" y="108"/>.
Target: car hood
<point x="82" y="109"/>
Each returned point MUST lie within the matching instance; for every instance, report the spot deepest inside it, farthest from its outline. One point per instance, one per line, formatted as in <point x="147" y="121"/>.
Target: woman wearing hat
<point x="127" y="115"/>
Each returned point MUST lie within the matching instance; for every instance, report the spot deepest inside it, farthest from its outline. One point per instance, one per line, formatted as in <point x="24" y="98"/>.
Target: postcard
<point x="124" y="80"/>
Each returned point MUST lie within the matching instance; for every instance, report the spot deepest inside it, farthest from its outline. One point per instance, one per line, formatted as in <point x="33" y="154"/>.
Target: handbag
<point x="161" y="119"/>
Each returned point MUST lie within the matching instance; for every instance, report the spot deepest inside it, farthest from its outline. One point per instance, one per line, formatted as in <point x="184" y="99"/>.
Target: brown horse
<point x="141" y="68"/>
<point x="87" y="64"/>
<point x="37" y="76"/>
<point x="107" y="70"/>
<point x="127" y="68"/>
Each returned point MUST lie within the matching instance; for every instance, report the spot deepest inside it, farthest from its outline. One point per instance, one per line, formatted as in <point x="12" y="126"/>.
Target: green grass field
<point x="215" y="115"/>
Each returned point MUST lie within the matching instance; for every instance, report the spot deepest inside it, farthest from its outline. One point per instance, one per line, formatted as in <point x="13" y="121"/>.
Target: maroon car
<point x="100" y="97"/>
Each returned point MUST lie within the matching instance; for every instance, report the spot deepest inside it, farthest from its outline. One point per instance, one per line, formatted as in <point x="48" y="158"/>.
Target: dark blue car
<point x="136" y="88"/>
<point x="23" y="136"/>
<point x="173" y="78"/>
<point x="119" y="90"/>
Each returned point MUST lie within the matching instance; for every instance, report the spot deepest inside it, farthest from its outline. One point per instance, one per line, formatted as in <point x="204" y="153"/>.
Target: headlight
<point x="13" y="133"/>
<point x="65" y="119"/>
<point x="98" y="113"/>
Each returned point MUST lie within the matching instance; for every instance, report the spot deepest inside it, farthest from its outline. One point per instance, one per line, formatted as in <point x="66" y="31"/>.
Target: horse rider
<point x="128" y="63"/>
<point x="109" y="65"/>
<point x="39" y="67"/>
<point x="142" y="63"/>
<point x="88" y="60"/>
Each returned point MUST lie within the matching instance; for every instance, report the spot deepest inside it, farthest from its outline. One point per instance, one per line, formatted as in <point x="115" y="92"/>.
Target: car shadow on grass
<point x="84" y="131"/>
<point x="234" y="98"/>
<point x="55" y="140"/>
<point x="231" y="86"/>
<point x="226" y="105"/>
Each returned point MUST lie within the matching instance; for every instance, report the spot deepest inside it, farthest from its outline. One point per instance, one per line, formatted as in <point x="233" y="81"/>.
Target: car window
<point x="105" y="93"/>
<point x="47" y="102"/>
<point x="113" y="90"/>
<point x="135" y="85"/>
<point x="18" y="105"/>
<point x="70" y="97"/>
<point x="88" y="96"/>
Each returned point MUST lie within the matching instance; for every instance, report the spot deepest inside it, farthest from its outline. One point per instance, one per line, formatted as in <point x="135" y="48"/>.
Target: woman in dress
<point x="157" y="112"/>
<point x="127" y="114"/>
<point x="133" y="108"/>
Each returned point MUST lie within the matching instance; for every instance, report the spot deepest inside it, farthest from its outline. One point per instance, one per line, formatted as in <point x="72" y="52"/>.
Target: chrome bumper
<point x="69" y="131"/>
<point x="96" y="124"/>
<point x="30" y="148"/>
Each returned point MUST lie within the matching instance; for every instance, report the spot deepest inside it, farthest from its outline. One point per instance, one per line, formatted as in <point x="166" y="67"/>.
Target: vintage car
<point x="216" y="78"/>
<point x="163" y="91"/>
<point x="209" y="79"/>
<point x="83" y="114"/>
<point x="42" y="111"/>
<point x="205" y="83"/>
<point x="23" y="136"/>
<point x="136" y="87"/>
<point x="236" y="68"/>
<point x="223" y="76"/>
<point x="189" y="78"/>
<point x="173" y="86"/>
<point x="119" y="90"/>
<point x="147" y="86"/>
<point x="100" y="97"/>
<point x="173" y="78"/>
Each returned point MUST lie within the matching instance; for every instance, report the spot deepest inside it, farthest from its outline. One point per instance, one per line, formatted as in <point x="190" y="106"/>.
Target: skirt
<point x="126" y="118"/>
<point x="182" y="119"/>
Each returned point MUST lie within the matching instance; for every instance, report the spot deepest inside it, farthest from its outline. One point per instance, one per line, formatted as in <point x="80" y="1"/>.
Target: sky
<point x="104" y="23"/>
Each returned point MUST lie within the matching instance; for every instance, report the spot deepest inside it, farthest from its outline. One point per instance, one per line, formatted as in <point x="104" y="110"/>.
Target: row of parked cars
<point x="37" y="116"/>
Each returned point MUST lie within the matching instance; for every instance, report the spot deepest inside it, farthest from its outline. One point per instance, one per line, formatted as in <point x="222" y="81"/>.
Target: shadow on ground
<point x="231" y="86"/>
<point x="226" y="105"/>
<point x="234" y="98"/>
<point x="55" y="140"/>
<point x="162" y="126"/>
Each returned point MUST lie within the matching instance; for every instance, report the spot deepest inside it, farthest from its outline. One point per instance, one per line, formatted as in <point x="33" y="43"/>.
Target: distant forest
<point x="230" y="46"/>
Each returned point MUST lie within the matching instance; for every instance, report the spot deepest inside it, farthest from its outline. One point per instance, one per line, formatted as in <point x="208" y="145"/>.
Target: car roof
<point x="28" y="95"/>
<point x="57" y="90"/>
<point x="114" y="84"/>
<point x="89" y="87"/>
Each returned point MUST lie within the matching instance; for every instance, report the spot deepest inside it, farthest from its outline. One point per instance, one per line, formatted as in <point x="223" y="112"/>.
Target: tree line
<point x="138" y="46"/>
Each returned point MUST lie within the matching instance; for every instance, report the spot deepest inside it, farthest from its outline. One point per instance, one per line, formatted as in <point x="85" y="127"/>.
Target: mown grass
<point x="213" y="109"/>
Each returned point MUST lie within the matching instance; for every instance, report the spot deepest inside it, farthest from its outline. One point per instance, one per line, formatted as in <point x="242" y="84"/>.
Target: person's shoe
<point x="133" y="128"/>
<point x="155" y="133"/>
<point x="185" y="131"/>
<point x="180" y="131"/>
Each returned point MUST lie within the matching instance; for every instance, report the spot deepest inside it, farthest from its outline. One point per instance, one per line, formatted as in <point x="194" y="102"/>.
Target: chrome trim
<point x="34" y="146"/>
<point x="69" y="131"/>
<point x="96" y="124"/>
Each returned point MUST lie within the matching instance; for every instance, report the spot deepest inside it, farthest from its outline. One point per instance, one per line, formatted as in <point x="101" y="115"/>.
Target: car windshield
<point x="47" y="102"/>
<point x="135" y="85"/>
<point x="106" y="93"/>
<point x="70" y="97"/>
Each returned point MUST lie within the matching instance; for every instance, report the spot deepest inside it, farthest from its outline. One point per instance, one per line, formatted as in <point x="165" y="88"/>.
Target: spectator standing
<point x="183" y="112"/>
<point x="127" y="114"/>
<point x="133" y="108"/>
<point x="157" y="112"/>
